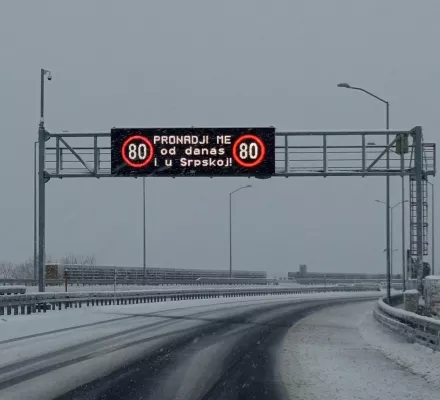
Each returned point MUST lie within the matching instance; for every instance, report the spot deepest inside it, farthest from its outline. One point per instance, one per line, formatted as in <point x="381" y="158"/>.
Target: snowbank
<point x="429" y="277"/>
<point x="342" y="353"/>
<point x="420" y="360"/>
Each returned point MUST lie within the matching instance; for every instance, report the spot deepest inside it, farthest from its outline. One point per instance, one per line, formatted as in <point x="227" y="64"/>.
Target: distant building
<point x="304" y="277"/>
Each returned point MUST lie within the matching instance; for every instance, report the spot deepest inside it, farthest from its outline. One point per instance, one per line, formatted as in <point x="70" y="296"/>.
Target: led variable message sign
<point x="193" y="152"/>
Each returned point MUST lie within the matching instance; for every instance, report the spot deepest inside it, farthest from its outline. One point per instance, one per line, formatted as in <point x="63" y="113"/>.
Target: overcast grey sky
<point x="212" y="63"/>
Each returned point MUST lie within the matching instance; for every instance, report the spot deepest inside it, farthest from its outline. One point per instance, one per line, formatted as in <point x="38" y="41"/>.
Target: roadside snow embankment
<point x="342" y="353"/>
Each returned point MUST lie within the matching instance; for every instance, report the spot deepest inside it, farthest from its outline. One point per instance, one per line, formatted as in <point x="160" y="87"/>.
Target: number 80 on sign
<point x="249" y="151"/>
<point x="137" y="151"/>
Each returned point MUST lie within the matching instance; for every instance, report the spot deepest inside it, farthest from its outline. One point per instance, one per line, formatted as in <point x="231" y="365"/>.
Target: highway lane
<point x="231" y="358"/>
<point x="199" y="351"/>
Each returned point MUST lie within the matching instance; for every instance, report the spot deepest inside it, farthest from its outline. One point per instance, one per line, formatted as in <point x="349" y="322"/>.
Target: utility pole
<point x="41" y="186"/>
<point x="144" y="232"/>
<point x="388" y="217"/>
<point x="230" y="226"/>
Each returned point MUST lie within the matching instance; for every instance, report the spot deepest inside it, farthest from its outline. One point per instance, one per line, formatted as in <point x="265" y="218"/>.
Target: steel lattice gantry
<point x="297" y="154"/>
<point x="303" y="153"/>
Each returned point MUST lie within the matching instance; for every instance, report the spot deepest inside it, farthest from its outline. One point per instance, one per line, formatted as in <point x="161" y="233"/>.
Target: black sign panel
<point x="193" y="152"/>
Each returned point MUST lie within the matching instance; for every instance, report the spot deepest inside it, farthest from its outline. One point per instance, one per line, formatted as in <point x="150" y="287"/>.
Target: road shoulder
<point x="334" y="354"/>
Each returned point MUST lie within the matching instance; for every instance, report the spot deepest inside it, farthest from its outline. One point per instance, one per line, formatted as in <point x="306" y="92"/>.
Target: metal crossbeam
<point x="298" y="154"/>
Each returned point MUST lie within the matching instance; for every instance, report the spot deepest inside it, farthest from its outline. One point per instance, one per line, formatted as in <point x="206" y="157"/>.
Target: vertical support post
<point x="57" y="157"/>
<point x="144" y="231"/>
<point x="41" y="208"/>
<point x="392" y="244"/>
<point x="66" y="272"/>
<point x="230" y="235"/>
<point x="402" y="170"/>
<point x="42" y="97"/>
<point x="324" y="147"/>
<point x="95" y="155"/>
<point x="286" y="154"/>
<point x="409" y="259"/>
<point x="364" y="155"/>
<point x="418" y="164"/>
<point x="41" y="190"/>
<point x="388" y="205"/>
<point x="432" y="229"/>
<point x="403" y="235"/>
<point x="35" y="213"/>
<point x="114" y="288"/>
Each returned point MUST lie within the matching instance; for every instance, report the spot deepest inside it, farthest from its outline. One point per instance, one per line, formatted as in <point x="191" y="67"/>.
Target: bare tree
<point x="24" y="270"/>
<point x="74" y="259"/>
<point x="7" y="270"/>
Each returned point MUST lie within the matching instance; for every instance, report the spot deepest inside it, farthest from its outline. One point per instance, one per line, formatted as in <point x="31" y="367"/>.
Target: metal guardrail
<point x="12" y="290"/>
<point x="423" y="330"/>
<point x="25" y="282"/>
<point x="37" y="302"/>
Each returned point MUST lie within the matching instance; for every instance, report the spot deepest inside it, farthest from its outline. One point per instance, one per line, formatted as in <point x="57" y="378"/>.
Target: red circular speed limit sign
<point x="249" y="151"/>
<point x="137" y="151"/>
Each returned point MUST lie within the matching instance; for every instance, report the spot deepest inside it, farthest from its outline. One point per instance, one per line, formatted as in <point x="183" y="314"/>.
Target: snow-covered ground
<point x="18" y="326"/>
<point x="79" y="345"/>
<point x="342" y="353"/>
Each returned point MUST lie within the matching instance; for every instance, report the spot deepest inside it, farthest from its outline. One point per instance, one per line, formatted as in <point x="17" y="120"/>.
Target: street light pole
<point x="391" y="244"/>
<point x="391" y="236"/>
<point x="144" y="232"/>
<point x="41" y="183"/>
<point x="230" y="235"/>
<point x="403" y="236"/>
<point x="230" y="226"/>
<point x="35" y="211"/>
<point x="388" y="217"/>
<point x="144" y="217"/>
<point x="432" y="228"/>
<point x="388" y="214"/>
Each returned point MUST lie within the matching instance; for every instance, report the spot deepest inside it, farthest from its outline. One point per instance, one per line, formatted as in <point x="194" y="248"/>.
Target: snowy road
<point x="203" y="349"/>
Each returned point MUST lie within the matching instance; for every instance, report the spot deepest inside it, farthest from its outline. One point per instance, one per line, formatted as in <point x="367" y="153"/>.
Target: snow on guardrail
<point x="33" y="302"/>
<point x="7" y="290"/>
<point x="424" y="330"/>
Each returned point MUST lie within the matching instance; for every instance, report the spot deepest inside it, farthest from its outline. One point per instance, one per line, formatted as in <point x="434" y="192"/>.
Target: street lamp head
<point x="48" y="73"/>
<point x="344" y="85"/>
<point x="248" y="186"/>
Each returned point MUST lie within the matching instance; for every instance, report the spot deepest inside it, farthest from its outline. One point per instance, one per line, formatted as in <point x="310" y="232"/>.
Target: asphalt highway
<point x="224" y="353"/>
